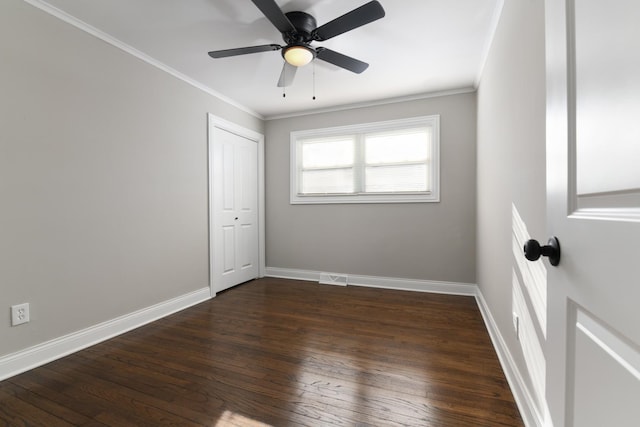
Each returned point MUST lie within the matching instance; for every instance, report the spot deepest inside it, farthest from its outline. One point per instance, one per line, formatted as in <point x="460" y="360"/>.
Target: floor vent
<point x="333" y="279"/>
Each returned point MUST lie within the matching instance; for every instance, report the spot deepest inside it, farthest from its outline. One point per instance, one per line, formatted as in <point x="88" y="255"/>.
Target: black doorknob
<point x="533" y="250"/>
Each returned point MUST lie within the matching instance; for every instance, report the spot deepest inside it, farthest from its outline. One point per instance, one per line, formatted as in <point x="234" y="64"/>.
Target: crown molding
<point x="495" y="20"/>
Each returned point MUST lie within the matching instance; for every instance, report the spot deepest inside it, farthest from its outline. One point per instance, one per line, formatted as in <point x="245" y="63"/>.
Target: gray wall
<point x="103" y="179"/>
<point x="511" y="155"/>
<point x="427" y="241"/>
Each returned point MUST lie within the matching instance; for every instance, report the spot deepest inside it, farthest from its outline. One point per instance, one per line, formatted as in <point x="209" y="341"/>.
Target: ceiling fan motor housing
<point x="304" y="23"/>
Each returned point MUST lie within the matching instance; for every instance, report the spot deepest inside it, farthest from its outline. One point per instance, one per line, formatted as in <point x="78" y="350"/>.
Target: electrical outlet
<point x="20" y="314"/>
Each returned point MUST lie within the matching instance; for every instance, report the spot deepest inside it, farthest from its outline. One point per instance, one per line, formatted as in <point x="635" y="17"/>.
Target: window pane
<point x="406" y="145"/>
<point x="401" y="178"/>
<point x="326" y="181"/>
<point x="395" y="161"/>
<point x="327" y="153"/>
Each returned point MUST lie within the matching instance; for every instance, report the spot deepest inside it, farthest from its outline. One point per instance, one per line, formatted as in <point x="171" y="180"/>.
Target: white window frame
<point x="431" y="196"/>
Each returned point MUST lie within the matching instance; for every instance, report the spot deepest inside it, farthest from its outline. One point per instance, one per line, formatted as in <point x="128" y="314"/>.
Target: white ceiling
<point x="419" y="47"/>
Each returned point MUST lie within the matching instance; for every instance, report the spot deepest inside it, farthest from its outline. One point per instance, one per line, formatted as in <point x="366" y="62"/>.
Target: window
<point x="384" y="162"/>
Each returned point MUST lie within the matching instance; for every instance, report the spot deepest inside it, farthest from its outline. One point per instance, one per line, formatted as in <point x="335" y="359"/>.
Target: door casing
<point x="217" y="122"/>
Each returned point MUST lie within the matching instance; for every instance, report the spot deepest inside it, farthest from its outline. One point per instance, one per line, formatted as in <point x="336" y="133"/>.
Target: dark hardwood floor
<point x="281" y="353"/>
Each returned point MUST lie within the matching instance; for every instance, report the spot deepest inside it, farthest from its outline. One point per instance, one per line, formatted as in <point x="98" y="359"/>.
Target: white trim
<point x="63" y="16"/>
<point x="262" y="224"/>
<point x="495" y="20"/>
<point x="431" y="286"/>
<point x="290" y="273"/>
<point x="38" y="355"/>
<point x="359" y="131"/>
<point x="416" y="285"/>
<point x="521" y="394"/>
<point x="220" y="123"/>
<point x="374" y="103"/>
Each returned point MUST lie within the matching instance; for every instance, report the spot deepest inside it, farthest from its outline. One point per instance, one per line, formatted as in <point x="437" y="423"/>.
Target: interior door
<point x="593" y="184"/>
<point x="234" y="187"/>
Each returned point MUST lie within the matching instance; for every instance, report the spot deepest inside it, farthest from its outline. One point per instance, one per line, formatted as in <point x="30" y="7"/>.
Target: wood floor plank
<point x="275" y="352"/>
<point x="38" y="403"/>
<point x="16" y="412"/>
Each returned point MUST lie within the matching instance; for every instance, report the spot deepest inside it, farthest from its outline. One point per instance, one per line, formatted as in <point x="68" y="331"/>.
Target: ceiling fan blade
<point x="343" y="61"/>
<point x="287" y="75"/>
<point x="243" y="50"/>
<point x="272" y="11"/>
<point x="356" y="18"/>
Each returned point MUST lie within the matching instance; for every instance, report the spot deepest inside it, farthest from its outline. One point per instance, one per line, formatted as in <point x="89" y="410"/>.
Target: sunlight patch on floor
<point x="232" y="419"/>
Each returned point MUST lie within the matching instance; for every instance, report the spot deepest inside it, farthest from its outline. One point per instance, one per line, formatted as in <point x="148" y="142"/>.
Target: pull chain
<point x="284" y="79"/>
<point x="314" y="80"/>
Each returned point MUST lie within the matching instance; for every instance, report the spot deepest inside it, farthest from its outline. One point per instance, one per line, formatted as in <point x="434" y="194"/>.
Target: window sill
<point x="364" y="198"/>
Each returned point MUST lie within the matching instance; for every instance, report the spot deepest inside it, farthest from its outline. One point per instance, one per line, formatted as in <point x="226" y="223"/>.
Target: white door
<point x="234" y="208"/>
<point x="593" y="190"/>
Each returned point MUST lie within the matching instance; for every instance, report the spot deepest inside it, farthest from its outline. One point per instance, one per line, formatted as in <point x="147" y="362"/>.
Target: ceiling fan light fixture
<point x="298" y="56"/>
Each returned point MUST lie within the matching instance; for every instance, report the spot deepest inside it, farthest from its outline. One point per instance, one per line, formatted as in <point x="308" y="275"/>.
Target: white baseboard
<point x="526" y="404"/>
<point x="432" y="286"/>
<point x="290" y="273"/>
<point x="40" y="354"/>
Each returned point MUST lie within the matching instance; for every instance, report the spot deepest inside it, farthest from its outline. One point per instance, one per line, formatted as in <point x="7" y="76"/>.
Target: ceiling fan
<point x="299" y="29"/>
